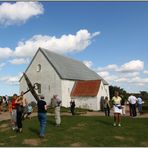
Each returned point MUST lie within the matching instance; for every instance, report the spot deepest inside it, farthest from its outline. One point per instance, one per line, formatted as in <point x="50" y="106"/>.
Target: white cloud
<point x="19" y="61"/>
<point x="122" y="80"/>
<point x="88" y="63"/>
<point x="64" y="44"/>
<point x="103" y="74"/>
<point x="145" y="72"/>
<point x="112" y="67"/>
<point x="11" y="80"/>
<point x="5" y="53"/>
<point x="111" y="78"/>
<point x="19" y="12"/>
<point x="132" y="66"/>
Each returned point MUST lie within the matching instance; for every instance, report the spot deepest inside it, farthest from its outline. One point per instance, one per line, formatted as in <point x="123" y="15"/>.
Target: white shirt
<point x="132" y="99"/>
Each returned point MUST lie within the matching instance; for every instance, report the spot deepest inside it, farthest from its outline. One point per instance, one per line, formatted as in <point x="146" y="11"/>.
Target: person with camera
<point x="56" y="104"/>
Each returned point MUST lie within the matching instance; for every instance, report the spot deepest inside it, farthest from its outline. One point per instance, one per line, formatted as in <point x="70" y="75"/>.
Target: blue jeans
<point x="42" y="121"/>
<point x="140" y="108"/>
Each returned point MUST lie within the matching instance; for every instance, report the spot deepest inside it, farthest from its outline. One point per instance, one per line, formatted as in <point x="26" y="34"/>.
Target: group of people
<point x="19" y="109"/>
<point x="119" y="107"/>
<point x="133" y="102"/>
<point x="42" y="112"/>
<point x="4" y="103"/>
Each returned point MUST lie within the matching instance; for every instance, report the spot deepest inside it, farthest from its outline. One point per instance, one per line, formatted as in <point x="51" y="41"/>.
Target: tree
<point x="121" y="91"/>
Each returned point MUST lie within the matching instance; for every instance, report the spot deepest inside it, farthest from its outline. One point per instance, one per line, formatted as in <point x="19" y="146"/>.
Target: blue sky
<point x="109" y="37"/>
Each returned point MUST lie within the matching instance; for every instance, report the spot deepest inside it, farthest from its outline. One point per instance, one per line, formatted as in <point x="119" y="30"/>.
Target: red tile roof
<point x="86" y="88"/>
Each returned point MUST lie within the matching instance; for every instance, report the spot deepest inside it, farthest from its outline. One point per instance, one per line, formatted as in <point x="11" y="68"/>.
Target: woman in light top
<point x="116" y="100"/>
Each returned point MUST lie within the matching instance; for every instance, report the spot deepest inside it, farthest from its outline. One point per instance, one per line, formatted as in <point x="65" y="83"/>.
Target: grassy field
<point x="79" y="131"/>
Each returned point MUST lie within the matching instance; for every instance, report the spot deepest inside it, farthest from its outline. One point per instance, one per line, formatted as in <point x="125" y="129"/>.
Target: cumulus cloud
<point x="19" y="12"/>
<point x="103" y="74"/>
<point x="145" y="72"/>
<point x="19" y="61"/>
<point x="132" y="66"/>
<point x="11" y="80"/>
<point x="112" y="67"/>
<point x="124" y="75"/>
<point x="5" y="53"/>
<point x="66" y="43"/>
<point x="88" y="63"/>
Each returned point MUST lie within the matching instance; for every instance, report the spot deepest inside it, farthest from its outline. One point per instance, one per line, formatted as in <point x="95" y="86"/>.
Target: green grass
<point x="79" y="131"/>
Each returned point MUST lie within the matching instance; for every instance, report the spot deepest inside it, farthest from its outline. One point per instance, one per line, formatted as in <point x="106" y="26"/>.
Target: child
<point x="29" y="111"/>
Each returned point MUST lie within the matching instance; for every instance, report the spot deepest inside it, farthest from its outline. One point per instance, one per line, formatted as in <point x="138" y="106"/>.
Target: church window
<point x="38" y="68"/>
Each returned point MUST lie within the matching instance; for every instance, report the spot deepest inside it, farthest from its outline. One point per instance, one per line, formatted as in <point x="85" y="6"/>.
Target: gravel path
<point x="6" y="115"/>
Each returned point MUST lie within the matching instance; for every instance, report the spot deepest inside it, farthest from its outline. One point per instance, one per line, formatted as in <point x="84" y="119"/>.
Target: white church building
<point x="66" y="77"/>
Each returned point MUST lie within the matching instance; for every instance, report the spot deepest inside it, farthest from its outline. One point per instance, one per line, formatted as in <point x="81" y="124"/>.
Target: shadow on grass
<point x="33" y="130"/>
<point x="108" y="123"/>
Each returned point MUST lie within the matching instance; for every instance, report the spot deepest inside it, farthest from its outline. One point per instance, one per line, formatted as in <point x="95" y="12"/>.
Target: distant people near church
<point x="106" y="105"/>
<point x="72" y="106"/>
<point x="139" y="103"/>
<point x="132" y="102"/>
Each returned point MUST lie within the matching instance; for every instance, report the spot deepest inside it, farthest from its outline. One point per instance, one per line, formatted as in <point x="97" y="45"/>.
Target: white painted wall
<point x="66" y="91"/>
<point x="86" y="102"/>
<point x="47" y="77"/>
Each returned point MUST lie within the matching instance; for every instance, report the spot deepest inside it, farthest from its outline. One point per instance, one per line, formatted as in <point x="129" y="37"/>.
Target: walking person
<point x="139" y="102"/>
<point x="132" y="100"/>
<point x="42" y="117"/>
<point x="56" y="102"/>
<point x="106" y="106"/>
<point x="116" y="100"/>
<point x="72" y="107"/>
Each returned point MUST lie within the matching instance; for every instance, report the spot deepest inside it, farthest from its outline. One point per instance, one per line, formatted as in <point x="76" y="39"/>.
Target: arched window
<point x="38" y="68"/>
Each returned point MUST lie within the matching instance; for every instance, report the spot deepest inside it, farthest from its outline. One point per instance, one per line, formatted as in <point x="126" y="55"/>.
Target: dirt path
<point x="6" y="115"/>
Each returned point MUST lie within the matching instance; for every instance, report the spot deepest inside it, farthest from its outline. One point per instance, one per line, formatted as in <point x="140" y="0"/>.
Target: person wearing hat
<point x="56" y="102"/>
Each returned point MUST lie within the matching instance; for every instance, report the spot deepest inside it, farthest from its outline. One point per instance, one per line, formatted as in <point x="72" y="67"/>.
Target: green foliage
<point x="78" y="131"/>
<point x="121" y="91"/>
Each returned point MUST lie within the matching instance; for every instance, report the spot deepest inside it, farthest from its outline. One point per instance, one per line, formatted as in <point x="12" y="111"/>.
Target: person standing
<point x="116" y="100"/>
<point x="56" y="102"/>
<point x="19" y="112"/>
<point x="42" y="117"/>
<point x="72" y="107"/>
<point x="24" y="103"/>
<point x="106" y="106"/>
<point x="14" y="123"/>
<point x="132" y="100"/>
<point x="139" y="101"/>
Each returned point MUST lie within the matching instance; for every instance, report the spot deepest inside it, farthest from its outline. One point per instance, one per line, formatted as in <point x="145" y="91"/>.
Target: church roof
<point x="86" y="88"/>
<point x="70" y="69"/>
<point x="67" y="68"/>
